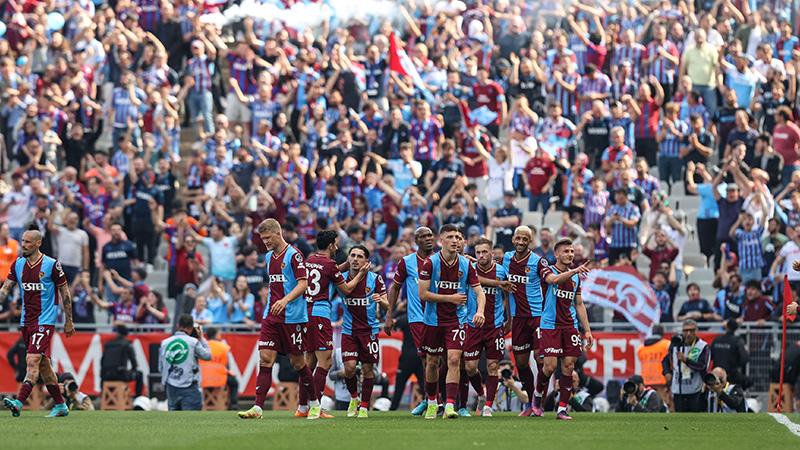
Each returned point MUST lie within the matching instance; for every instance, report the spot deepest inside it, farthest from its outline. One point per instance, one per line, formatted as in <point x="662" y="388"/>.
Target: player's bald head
<point x="523" y="230"/>
<point x="32" y="235"/>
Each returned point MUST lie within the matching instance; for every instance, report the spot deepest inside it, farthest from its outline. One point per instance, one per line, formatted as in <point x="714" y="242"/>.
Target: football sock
<point x="307" y="382"/>
<point x="463" y="389"/>
<point x="55" y="392"/>
<point x="352" y="386"/>
<point x="541" y="383"/>
<point x="477" y="383"/>
<point x="302" y="408"/>
<point x="263" y="383"/>
<point x="546" y="385"/>
<point x="442" y="380"/>
<point x="451" y="392"/>
<point x="526" y="377"/>
<point x="431" y="388"/>
<point x="366" y="391"/>
<point x="24" y="391"/>
<point x="302" y="398"/>
<point x="491" y="388"/>
<point x="564" y="390"/>
<point x="320" y="376"/>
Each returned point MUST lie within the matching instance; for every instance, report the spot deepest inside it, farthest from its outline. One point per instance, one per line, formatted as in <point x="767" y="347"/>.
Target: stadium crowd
<point x="133" y="125"/>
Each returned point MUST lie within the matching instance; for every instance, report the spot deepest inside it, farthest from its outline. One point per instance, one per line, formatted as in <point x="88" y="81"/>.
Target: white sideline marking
<point x="783" y="420"/>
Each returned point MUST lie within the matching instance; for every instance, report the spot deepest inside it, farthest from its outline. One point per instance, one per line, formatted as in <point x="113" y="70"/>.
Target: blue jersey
<point x="494" y="311"/>
<point x="446" y="279"/>
<point x="407" y="275"/>
<point x="360" y="310"/>
<point x="283" y="271"/>
<point x="525" y="299"/>
<point x="37" y="287"/>
<point x="559" y="304"/>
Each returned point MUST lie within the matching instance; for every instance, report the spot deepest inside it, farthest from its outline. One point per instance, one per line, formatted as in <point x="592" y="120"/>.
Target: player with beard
<point x="560" y="338"/>
<point x="525" y="270"/>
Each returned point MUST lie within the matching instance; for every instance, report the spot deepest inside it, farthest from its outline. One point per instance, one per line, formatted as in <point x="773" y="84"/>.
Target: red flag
<point x="400" y="62"/>
<point x="626" y="291"/>
<point x="787" y="298"/>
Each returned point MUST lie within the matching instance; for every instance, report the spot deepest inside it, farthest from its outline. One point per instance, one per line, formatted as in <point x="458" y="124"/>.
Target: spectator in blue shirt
<point x="622" y="224"/>
<point x="697" y="308"/>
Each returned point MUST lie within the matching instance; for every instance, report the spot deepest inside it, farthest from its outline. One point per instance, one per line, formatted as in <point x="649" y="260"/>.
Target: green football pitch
<point x="201" y="430"/>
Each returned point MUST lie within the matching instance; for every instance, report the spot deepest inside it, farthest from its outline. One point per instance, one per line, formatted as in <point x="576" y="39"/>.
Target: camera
<point x="710" y="379"/>
<point x="72" y="386"/>
<point x="629" y="387"/>
<point x="677" y="340"/>
<point x="505" y="374"/>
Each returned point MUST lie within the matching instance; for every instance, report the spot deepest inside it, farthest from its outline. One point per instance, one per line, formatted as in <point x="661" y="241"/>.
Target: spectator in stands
<point x="200" y="313"/>
<point x="696" y="308"/>
<point x="748" y="239"/>
<point x="505" y="220"/>
<point x="730" y="298"/>
<point x="672" y="134"/>
<point x="621" y="222"/>
<point x="708" y="212"/>
<point x="661" y="250"/>
<point x="119" y="361"/>
<point x="218" y="302"/>
<point x="786" y="141"/>
<point x="84" y="297"/>
<point x="118" y="254"/>
<point x="222" y="250"/>
<point x="124" y="309"/>
<point x="152" y="309"/>
<point x="73" y="245"/>
<point x="788" y="257"/>
<point x="242" y="300"/>
<point x="539" y="180"/>
<point x="665" y="287"/>
<point x="757" y="307"/>
<point x="729" y="209"/>
<point x="16" y="205"/>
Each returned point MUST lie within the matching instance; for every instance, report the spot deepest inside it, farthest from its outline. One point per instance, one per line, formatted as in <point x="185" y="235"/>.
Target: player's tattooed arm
<point x="583" y="318"/>
<point x="5" y="291"/>
<point x="66" y="300"/>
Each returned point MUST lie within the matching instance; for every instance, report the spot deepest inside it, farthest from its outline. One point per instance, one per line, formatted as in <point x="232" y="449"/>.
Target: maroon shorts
<point x="362" y="348"/>
<point x="560" y="342"/>
<point x="37" y="338"/>
<point x="437" y="339"/>
<point x="417" y="334"/>
<point x="319" y="334"/>
<point x="286" y="339"/>
<point x="484" y="339"/>
<point x="525" y="334"/>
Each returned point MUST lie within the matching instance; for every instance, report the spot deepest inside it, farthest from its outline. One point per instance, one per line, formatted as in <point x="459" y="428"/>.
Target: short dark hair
<point x="360" y="247"/>
<point x="562" y="242"/>
<point x="185" y="321"/>
<point x="753" y="284"/>
<point x="447" y="228"/>
<point x="484" y="241"/>
<point x="325" y="238"/>
<point x="212" y="332"/>
<point x="691" y="285"/>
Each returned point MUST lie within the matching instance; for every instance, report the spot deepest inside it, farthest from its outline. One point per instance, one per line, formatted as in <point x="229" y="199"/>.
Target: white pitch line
<point x="783" y="420"/>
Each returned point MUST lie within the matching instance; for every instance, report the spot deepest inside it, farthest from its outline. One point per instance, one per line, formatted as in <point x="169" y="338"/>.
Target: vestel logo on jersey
<point x="278" y="278"/>
<point x="29" y="287"/>
<point x="518" y="279"/>
<point x="177" y="351"/>
<point x="356" y="301"/>
<point x="565" y="294"/>
<point x="454" y="285"/>
<point x="489" y="290"/>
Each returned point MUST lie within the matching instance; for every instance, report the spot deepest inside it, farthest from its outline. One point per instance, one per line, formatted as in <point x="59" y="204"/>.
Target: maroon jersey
<point x="361" y="314"/>
<point x="490" y="95"/>
<point x="447" y="279"/>
<point x="493" y="311"/>
<point x="323" y="275"/>
<point x="37" y="283"/>
<point x="526" y="274"/>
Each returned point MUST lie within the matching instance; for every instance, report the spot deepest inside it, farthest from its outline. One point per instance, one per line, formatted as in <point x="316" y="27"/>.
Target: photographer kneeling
<point x="722" y="396"/>
<point x="510" y="396"/>
<point x="74" y="398"/>
<point x="636" y="397"/>
<point x="684" y="368"/>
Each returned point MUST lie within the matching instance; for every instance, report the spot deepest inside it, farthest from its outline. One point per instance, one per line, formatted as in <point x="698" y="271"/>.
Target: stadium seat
<point x="215" y="398"/>
<point x="286" y="395"/>
<point x="116" y="396"/>
<point x="787" y="405"/>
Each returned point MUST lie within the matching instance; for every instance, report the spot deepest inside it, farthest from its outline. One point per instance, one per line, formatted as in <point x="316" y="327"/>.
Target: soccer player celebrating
<point x="489" y="337"/>
<point x="443" y="280"/>
<point x="559" y="327"/>
<point x="407" y="275"/>
<point x="323" y="274"/>
<point x="360" y="330"/>
<point x="39" y="277"/>
<point x="285" y="316"/>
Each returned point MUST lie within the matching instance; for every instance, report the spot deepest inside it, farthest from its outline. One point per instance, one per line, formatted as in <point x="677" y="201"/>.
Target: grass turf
<point x="200" y="430"/>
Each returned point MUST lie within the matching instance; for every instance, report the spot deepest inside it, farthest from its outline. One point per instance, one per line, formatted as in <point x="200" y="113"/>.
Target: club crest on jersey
<point x="527" y="269"/>
<point x="41" y="329"/>
<point x="41" y="275"/>
<point x="283" y="266"/>
<point x="298" y="328"/>
<point x="460" y="274"/>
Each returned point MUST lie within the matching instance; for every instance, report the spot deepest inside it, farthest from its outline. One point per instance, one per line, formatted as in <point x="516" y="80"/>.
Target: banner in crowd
<point x="623" y="289"/>
<point x="82" y="353"/>
<point x="613" y="356"/>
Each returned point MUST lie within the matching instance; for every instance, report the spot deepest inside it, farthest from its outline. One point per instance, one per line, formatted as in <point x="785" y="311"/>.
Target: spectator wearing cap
<point x="700" y="63"/>
<point x="621" y="222"/>
<point x="505" y="220"/>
